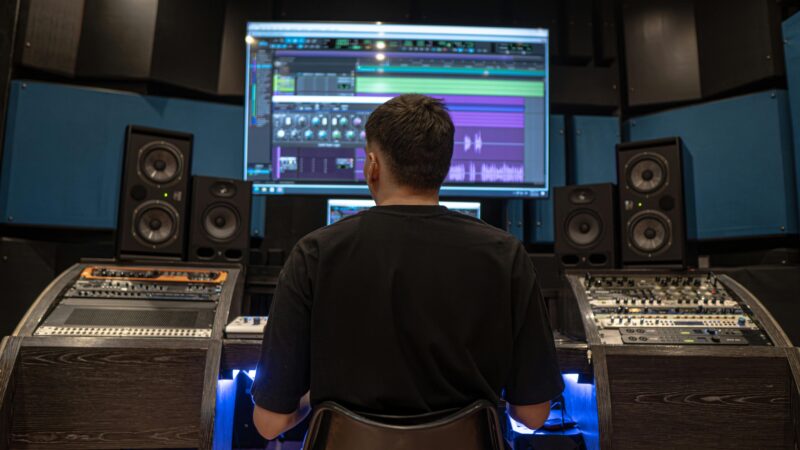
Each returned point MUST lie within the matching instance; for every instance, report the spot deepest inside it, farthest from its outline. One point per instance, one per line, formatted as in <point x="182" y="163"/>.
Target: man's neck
<point x="408" y="197"/>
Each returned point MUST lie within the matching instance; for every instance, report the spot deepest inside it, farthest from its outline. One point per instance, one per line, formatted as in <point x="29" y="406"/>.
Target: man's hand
<point x="532" y="416"/>
<point x="271" y="424"/>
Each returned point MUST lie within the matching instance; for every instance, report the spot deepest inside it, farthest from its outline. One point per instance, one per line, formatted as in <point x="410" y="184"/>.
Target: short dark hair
<point x="415" y="132"/>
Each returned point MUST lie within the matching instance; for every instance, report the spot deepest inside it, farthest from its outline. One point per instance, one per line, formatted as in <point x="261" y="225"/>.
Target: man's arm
<point x="532" y="416"/>
<point x="281" y="387"/>
<point x="535" y="378"/>
<point x="271" y="424"/>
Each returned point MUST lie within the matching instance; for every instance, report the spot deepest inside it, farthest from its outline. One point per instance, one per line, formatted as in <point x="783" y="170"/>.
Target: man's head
<point x="409" y="147"/>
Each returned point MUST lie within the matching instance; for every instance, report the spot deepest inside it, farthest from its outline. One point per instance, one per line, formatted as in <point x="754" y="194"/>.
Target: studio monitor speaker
<point x="585" y="226"/>
<point x="220" y="227"/>
<point x="154" y="194"/>
<point x="651" y="202"/>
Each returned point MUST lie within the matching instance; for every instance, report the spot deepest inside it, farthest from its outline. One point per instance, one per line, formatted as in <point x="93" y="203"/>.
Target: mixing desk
<point x="150" y="302"/>
<point x="666" y="309"/>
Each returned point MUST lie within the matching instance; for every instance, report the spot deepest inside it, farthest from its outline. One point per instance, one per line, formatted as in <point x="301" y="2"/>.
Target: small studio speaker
<point x="585" y="225"/>
<point x="220" y="227"/>
<point x="154" y="194"/>
<point x="651" y="200"/>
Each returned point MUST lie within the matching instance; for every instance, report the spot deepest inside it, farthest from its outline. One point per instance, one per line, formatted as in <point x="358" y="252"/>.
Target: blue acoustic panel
<point x="791" y="52"/>
<point x="542" y="220"/>
<point x="742" y="167"/>
<point x="62" y="158"/>
<point x="594" y="151"/>
<point x="258" y="211"/>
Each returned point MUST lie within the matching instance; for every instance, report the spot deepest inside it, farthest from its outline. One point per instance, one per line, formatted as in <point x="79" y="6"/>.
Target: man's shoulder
<point x="475" y="225"/>
<point x="343" y="228"/>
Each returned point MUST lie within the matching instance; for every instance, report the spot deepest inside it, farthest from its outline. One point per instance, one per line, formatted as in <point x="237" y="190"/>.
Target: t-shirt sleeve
<point x="282" y="375"/>
<point x="535" y="376"/>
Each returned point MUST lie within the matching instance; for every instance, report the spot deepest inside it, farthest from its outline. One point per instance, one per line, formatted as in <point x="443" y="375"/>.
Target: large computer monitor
<point x="339" y="208"/>
<point x="312" y="86"/>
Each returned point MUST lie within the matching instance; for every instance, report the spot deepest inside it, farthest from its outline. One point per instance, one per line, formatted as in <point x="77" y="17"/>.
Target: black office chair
<point x="475" y="427"/>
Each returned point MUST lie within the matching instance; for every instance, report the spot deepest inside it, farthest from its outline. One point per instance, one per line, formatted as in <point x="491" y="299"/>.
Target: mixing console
<point x="666" y="309"/>
<point x="137" y="301"/>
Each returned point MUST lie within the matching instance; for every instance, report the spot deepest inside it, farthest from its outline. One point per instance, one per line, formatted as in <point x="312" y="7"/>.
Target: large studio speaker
<point x="220" y="228"/>
<point x="154" y="194"/>
<point x="585" y="225"/>
<point x="651" y="202"/>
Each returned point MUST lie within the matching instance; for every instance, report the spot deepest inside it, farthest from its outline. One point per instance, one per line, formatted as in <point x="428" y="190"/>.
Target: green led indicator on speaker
<point x="166" y="195"/>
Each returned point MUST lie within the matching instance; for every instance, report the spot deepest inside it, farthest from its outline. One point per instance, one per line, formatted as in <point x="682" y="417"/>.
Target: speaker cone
<point x="649" y="232"/>
<point x="583" y="228"/>
<point x="647" y="173"/>
<point x="160" y="162"/>
<point x="155" y="223"/>
<point x="221" y="222"/>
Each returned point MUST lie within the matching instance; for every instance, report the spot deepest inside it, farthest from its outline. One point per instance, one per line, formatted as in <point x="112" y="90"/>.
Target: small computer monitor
<point x="339" y="208"/>
<point x="310" y="88"/>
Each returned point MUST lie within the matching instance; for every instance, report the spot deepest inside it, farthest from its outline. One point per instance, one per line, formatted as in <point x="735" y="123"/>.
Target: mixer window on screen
<point x="311" y="88"/>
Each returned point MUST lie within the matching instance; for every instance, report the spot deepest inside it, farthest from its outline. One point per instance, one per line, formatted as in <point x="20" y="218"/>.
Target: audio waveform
<point x="487" y="173"/>
<point x="477" y="140"/>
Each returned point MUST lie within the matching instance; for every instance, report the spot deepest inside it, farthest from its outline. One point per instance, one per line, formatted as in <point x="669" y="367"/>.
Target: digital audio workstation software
<point x="339" y="208"/>
<point x="312" y="86"/>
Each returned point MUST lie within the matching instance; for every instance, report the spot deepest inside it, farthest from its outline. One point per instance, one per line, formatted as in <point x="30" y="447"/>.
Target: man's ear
<point x="372" y="168"/>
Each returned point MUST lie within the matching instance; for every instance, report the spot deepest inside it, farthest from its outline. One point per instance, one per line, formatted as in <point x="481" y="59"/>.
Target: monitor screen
<point x="312" y="86"/>
<point x="339" y="208"/>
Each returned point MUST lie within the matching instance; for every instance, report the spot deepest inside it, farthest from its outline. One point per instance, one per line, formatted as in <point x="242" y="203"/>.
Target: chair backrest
<point x="475" y="427"/>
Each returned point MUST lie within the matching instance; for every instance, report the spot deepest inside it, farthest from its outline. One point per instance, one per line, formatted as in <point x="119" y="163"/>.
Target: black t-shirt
<point x="406" y="310"/>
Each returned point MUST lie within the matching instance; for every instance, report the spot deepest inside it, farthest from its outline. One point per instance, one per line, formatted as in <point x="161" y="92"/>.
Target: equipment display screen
<point x="339" y="208"/>
<point x="312" y="86"/>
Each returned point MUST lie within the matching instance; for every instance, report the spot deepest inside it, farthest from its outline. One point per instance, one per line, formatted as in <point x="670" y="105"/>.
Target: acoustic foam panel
<point x="739" y="43"/>
<point x="62" y="158"/>
<point x="50" y="31"/>
<point x="594" y="157"/>
<point x="117" y="38"/>
<point x="660" y="51"/>
<point x="791" y="51"/>
<point x="742" y="174"/>
<point x="349" y="11"/>
<point x="541" y="222"/>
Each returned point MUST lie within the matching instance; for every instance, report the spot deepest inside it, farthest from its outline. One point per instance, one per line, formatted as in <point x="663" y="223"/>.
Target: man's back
<point x="407" y="309"/>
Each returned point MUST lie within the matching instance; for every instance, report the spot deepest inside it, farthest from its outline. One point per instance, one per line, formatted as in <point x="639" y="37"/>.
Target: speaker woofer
<point x="160" y="163"/>
<point x="649" y="232"/>
<point x="155" y="223"/>
<point x="583" y="228"/>
<point x="221" y="223"/>
<point x="647" y="173"/>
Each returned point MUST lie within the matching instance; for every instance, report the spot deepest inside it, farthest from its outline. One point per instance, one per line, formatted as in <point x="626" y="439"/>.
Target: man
<point x="407" y="307"/>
